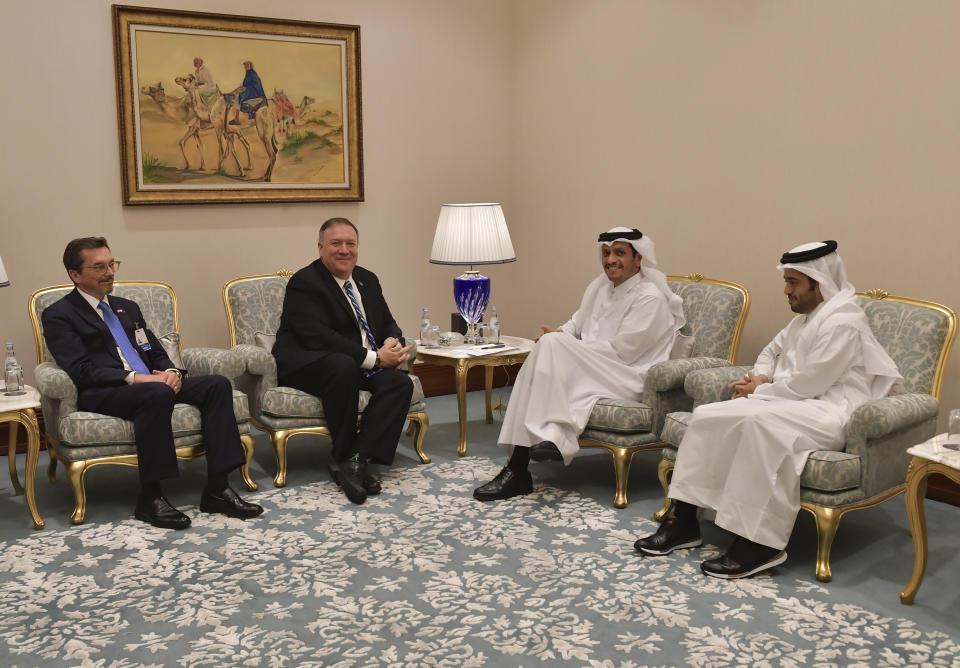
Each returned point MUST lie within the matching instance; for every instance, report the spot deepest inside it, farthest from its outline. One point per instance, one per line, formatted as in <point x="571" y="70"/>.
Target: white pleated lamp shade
<point x="472" y="234"/>
<point x="4" y="281"/>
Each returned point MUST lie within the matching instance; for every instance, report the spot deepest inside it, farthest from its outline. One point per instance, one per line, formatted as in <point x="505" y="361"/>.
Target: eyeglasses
<point x="101" y="268"/>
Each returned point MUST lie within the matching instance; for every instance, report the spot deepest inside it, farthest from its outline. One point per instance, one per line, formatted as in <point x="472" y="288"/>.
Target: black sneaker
<point x="743" y="559"/>
<point x="672" y="535"/>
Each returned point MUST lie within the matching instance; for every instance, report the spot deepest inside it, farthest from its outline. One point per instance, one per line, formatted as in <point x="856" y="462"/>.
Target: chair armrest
<point x="207" y="361"/>
<point x="260" y="374"/>
<point x="890" y="414"/>
<point x="413" y="354"/>
<point x="669" y="375"/>
<point x="708" y="386"/>
<point x="53" y="382"/>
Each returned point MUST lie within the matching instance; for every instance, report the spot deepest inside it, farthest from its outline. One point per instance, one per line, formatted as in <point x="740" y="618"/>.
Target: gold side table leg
<point x="916" y="490"/>
<point x="488" y="387"/>
<point x="33" y="454"/>
<point x="461" y="376"/>
<point x="12" y="456"/>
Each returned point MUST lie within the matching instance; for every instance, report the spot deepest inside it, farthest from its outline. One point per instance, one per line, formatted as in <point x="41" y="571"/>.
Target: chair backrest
<point x="716" y="312"/>
<point x="254" y="304"/>
<point x="157" y="302"/>
<point x="917" y="334"/>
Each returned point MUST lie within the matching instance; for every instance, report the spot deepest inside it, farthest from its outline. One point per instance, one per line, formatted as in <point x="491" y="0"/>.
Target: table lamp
<point x="471" y="234"/>
<point x="4" y="281"/>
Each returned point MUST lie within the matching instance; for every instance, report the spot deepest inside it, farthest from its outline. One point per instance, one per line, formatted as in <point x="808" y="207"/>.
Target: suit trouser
<point x="337" y="380"/>
<point x="150" y="407"/>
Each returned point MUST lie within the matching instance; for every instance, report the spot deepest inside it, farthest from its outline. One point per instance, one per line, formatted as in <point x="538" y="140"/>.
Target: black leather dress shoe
<point x="229" y="503"/>
<point x="743" y="559"/>
<point x="672" y="535"/>
<point x="160" y="513"/>
<point x="370" y="483"/>
<point x="349" y="476"/>
<point x="506" y="484"/>
<point x="545" y="452"/>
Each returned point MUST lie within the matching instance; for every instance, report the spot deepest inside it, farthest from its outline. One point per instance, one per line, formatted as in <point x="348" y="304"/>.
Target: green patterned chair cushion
<point x="711" y="312"/>
<point x="675" y="426"/>
<point x="620" y="416"/>
<point x="82" y="429"/>
<point x="256" y="306"/>
<point x="287" y="402"/>
<point x="829" y="471"/>
<point x="912" y="335"/>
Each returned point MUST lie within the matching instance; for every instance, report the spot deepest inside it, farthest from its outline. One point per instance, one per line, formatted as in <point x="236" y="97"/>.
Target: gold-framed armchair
<point x="253" y="306"/>
<point x="871" y="468"/>
<point x="715" y="311"/>
<point x="81" y="439"/>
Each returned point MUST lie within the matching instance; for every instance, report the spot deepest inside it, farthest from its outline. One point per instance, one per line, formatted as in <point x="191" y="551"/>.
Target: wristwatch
<point x="377" y="364"/>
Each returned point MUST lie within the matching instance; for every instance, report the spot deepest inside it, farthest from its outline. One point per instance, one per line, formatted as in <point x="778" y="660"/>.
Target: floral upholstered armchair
<point x="254" y="305"/>
<point x="82" y="440"/>
<point x="715" y="313"/>
<point x="871" y="468"/>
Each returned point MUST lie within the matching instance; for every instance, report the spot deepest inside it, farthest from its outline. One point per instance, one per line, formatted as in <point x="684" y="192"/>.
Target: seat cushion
<point x="825" y="471"/>
<point x="287" y="402"/>
<point x="620" y="416"/>
<point x="675" y="426"/>
<point x="830" y="471"/>
<point x="85" y="429"/>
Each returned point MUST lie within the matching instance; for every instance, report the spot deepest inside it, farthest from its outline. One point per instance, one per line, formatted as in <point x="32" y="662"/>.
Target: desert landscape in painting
<point x="197" y="127"/>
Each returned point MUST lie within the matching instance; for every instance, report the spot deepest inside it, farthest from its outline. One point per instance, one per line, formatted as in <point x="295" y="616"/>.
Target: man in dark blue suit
<point x="121" y="369"/>
<point x="337" y="337"/>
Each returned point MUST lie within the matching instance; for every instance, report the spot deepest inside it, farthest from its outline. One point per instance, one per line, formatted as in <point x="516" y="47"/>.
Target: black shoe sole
<point x="748" y="571"/>
<point x="230" y="513"/>
<point x="146" y="518"/>
<point x="697" y="542"/>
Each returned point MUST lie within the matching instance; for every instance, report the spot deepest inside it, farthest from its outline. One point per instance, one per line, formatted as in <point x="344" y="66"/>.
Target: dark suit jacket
<point x="83" y="346"/>
<point x="318" y="319"/>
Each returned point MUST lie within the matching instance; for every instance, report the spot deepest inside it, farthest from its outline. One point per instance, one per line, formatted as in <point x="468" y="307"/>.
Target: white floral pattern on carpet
<point x="420" y="575"/>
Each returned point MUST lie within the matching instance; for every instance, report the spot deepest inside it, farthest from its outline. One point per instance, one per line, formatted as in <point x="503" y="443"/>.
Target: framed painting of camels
<point x="218" y="108"/>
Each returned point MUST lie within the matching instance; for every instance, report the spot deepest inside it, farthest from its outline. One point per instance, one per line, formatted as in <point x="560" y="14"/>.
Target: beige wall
<point x="729" y="131"/>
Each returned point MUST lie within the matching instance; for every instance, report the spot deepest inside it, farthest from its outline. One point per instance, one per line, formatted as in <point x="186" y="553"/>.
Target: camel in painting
<point x="305" y="104"/>
<point x="180" y="109"/>
<point x="227" y="134"/>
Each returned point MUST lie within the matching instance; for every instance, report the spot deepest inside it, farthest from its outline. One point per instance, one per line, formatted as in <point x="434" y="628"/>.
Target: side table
<point x="461" y="361"/>
<point x="928" y="457"/>
<point x="20" y="410"/>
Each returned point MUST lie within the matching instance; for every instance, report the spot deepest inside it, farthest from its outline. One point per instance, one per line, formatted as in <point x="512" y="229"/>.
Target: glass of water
<point x="953" y="429"/>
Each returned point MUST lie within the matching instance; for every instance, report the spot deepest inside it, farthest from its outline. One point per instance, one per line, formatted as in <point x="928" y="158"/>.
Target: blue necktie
<point x="363" y="323"/>
<point x="123" y="341"/>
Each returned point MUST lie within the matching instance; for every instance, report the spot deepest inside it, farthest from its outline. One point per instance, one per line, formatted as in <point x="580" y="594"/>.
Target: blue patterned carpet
<point x="425" y="575"/>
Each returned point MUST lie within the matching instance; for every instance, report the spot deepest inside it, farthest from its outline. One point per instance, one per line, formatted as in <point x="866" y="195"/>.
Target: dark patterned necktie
<point x="363" y="324"/>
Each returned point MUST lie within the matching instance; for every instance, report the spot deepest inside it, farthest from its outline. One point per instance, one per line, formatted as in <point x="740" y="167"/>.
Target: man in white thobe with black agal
<point x="627" y="321"/>
<point x="743" y="458"/>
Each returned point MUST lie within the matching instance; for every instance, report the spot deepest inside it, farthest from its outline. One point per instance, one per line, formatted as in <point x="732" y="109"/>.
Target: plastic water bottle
<point x="425" y="325"/>
<point x="12" y="372"/>
<point x="493" y="324"/>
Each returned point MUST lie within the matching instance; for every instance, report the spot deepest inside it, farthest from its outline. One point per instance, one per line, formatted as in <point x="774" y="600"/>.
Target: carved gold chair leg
<point x="419" y="422"/>
<point x="622" y="458"/>
<point x="76" y="471"/>
<point x="664" y="471"/>
<point x="247" y="441"/>
<point x="828" y="521"/>
<point x="51" y="465"/>
<point x="279" y="440"/>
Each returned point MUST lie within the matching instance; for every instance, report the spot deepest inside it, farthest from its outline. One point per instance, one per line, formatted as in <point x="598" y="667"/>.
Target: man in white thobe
<point x="743" y="458"/>
<point x="627" y="321"/>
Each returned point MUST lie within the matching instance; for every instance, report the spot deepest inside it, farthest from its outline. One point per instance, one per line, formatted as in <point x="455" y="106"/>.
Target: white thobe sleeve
<point x="831" y="356"/>
<point x="574" y="325"/>
<point x="645" y="326"/>
<point x="767" y="360"/>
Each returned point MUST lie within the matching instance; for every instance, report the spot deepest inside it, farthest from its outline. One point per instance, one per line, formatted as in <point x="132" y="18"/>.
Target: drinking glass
<point x="953" y="429"/>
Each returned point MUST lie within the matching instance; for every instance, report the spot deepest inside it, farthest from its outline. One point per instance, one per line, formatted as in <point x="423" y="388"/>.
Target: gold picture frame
<point x="197" y="127"/>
